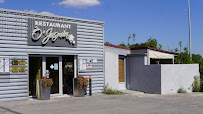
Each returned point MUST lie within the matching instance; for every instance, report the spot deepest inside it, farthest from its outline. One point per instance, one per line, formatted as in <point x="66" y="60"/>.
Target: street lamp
<point x="189" y="28"/>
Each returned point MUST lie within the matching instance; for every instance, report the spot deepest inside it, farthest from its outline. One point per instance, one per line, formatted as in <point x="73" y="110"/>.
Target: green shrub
<point x="181" y="90"/>
<point x="196" y="84"/>
<point x="110" y="91"/>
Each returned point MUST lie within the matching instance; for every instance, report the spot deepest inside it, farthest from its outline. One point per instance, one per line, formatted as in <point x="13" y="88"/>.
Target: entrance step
<point x="122" y="86"/>
<point x="131" y="92"/>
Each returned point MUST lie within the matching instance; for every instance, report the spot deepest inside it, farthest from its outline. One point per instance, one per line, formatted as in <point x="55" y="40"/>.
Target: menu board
<point x="18" y="65"/>
<point x="22" y="69"/>
<point x="15" y="62"/>
<point x="1" y="65"/>
<point x="4" y="65"/>
<point x="83" y="64"/>
<point x="22" y="62"/>
<point x="14" y="69"/>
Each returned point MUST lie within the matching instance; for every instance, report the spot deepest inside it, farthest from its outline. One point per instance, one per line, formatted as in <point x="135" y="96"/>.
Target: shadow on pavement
<point x="9" y="110"/>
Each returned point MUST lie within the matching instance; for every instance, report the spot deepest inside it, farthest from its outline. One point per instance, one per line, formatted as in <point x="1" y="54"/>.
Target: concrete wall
<point x="111" y="70"/>
<point x="176" y="76"/>
<point x="159" y="79"/>
<point x="141" y="77"/>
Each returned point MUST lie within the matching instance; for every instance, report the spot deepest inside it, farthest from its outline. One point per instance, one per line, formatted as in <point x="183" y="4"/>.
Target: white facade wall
<point x="111" y="70"/>
<point x="175" y="76"/>
<point x="112" y="66"/>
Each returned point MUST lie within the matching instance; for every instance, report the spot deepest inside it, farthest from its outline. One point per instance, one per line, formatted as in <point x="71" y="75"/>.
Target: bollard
<point x="90" y="85"/>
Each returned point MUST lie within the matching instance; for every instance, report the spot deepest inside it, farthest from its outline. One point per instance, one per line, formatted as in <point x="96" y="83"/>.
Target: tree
<point x="176" y="50"/>
<point x="122" y="44"/>
<point x="197" y="58"/>
<point x="107" y="43"/>
<point x="160" y="46"/>
<point x="128" y="45"/>
<point x="152" y="42"/>
<point x="183" y="58"/>
<point x="134" y="37"/>
<point x="149" y="43"/>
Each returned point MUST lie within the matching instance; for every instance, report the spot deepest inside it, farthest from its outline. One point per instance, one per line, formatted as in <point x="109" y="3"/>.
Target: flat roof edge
<point x="33" y="13"/>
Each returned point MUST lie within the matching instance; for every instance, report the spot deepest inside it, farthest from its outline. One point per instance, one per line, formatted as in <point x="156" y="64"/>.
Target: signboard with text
<point x="51" y="33"/>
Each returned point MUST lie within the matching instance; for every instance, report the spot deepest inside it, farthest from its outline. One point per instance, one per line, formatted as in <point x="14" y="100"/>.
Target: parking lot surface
<point x="109" y="104"/>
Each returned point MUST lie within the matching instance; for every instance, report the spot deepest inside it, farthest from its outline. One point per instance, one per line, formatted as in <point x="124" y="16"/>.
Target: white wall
<point x="159" y="79"/>
<point x="111" y="70"/>
<point x="175" y="76"/>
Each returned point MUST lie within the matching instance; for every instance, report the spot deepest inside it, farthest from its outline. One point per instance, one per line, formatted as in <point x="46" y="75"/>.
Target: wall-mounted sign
<point x="56" y="66"/>
<point x="1" y="64"/>
<point x="94" y="60"/>
<point x="4" y="65"/>
<point x="83" y="67"/>
<point x="22" y="62"/>
<point x="89" y="60"/>
<point x="51" y="66"/>
<point x="14" y="62"/>
<point x="89" y="66"/>
<point x="51" y="33"/>
<point x="21" y="69"/>
<point x="14" y="69"/>
<point x="83" y="64"/>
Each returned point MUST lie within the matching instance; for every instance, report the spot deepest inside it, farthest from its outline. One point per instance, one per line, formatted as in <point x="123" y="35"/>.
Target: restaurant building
<point x="32" y="45"/>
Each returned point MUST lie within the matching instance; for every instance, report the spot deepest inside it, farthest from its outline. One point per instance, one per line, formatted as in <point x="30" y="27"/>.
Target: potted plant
<point x="80" y="84"/>
<point x="45" y="88"/>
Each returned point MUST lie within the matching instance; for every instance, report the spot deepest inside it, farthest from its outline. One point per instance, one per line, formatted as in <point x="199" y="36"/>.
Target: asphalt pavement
<point x="109" y="104"/>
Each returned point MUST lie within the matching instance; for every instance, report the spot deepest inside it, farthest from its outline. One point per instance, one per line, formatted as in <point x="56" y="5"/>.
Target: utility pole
<point x="180" y="43"/>
<point x="189" y="29"/>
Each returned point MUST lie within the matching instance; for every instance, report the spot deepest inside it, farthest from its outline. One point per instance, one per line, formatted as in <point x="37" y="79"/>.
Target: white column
<point x="43" y="66"/>
<point x="75" y="66"/>
<point x="60" y="76"/>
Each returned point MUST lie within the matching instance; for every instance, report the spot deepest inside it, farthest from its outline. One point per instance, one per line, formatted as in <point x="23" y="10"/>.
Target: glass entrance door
<point x="52" y="64"/>
<point x="35" y="72"/>
<point x="68" y="74"/>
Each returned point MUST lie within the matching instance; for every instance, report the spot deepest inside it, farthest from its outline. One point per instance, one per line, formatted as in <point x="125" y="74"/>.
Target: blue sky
<point x="165" y="20"/>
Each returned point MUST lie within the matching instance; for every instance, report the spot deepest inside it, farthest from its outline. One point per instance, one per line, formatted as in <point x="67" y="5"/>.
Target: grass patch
<point x="110" y="91"/>
<point x="181" y="90"/>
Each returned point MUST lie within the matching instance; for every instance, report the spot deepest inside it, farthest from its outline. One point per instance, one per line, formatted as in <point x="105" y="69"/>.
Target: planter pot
<point x="45" y="92"/>
<point x="76" y="91"/>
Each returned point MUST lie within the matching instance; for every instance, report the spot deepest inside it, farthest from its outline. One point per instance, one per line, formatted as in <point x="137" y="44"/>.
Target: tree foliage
<point x="107" y="43"/>
<point x="122" y="44"/>
<point x="151" y="42"/>
<point x="160" y="46"/>
<point x="197" y="58"/>
<point x="129" y="40"/>
<point x="176" y="50"/>
<point x="183" y="57"/>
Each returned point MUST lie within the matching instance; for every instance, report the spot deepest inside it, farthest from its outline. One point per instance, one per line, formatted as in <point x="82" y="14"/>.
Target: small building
<point x="147" y="69"/>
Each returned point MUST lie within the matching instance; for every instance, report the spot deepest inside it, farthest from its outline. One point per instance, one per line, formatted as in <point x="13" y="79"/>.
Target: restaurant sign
<point x="51" y="33"/>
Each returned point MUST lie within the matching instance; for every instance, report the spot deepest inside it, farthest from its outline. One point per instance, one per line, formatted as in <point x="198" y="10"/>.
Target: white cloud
<point x="80" y="3"/>
<point x="44" y="12"/>
<point x="1" y="1"/>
